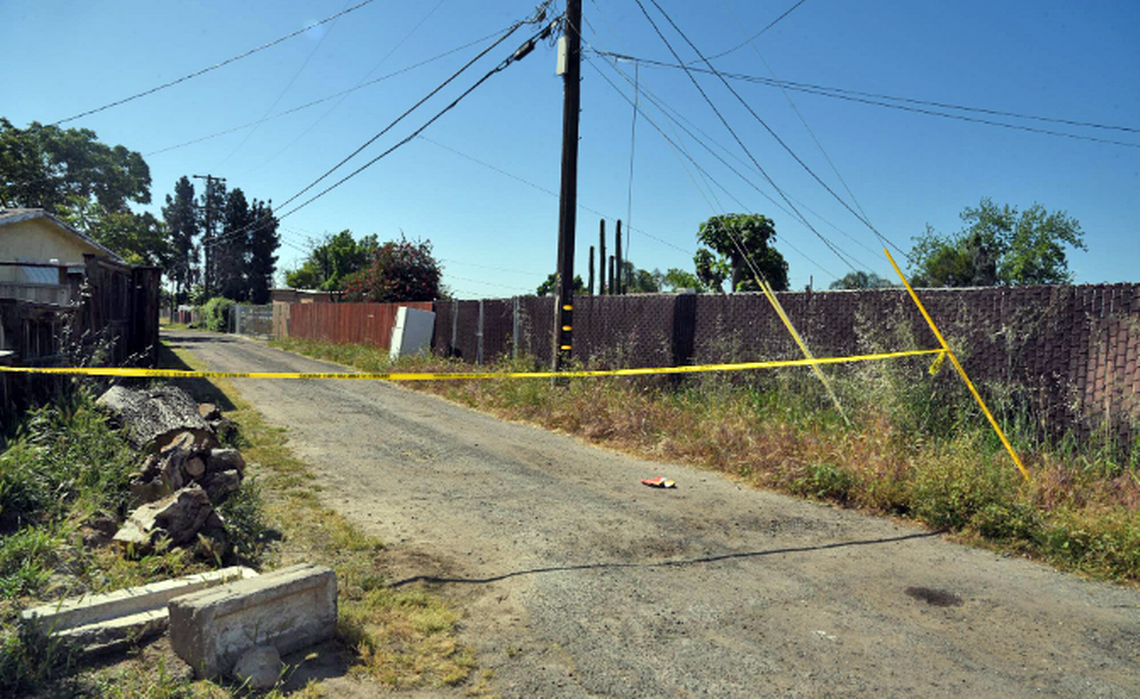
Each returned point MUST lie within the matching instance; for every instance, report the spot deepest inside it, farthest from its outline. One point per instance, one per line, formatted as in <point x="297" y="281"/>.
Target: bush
<point x="216" y="314"/>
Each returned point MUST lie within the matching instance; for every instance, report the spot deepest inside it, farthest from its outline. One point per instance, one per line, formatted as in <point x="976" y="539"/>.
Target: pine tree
<point x="213" y="203"/>
<point x="232" y="248"/>
<point x="263" y="243"/>
<point x="181" y="218"/>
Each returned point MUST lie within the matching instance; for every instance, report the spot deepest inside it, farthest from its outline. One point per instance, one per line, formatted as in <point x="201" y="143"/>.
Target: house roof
<point x="8" y="216"/>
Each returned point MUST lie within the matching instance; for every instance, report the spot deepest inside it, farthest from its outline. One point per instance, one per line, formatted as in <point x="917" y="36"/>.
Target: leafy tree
<point x="181" y="228"/>
<point x="740" y="239"/>
<point x="331" y="262"/>
<point x="677" y="278"/>
<point x="861" y="280"/>
<point x="140" y="239"/>
<point x="711" y="269"/>
<point x="548" y="286"/>
<point x="998" y="246"/>
<point x="399" y="271"/>
<point x="62" y="170"/>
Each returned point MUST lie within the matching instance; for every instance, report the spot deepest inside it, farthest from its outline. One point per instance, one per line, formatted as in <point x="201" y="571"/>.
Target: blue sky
<point x="496" y="235"/>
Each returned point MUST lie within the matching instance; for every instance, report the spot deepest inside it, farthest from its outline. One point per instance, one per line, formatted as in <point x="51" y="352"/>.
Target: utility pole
<point x="617" y="254"/>
<point x="570" y="60"/>
<point x="602" y="257"/>
<point x="209" y="234"/>
<point x="590" y="286"/>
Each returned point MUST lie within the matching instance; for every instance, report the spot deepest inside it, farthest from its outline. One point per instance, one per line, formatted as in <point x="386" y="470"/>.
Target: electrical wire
<point x="759" y="119"/>
<point x="362" y="82"/>
<point x="830" y="245"/>
<point x="516" y="55"/>
<point x="326" y="98"/>
<point x="706" y="175"/>
<point x="876" y="99"/>
<point x="757" y="35"/>
<point x="215" y="66"/>
<point x="882" y="239"/>
<point x="551" y="192"/>
<point x="281" y="94"/>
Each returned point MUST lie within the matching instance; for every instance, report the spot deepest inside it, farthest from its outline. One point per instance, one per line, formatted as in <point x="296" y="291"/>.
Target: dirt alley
<point x="577" y="580"/>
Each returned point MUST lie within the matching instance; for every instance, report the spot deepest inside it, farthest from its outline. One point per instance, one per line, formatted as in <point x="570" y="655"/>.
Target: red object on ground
<point x="658" y="482"/>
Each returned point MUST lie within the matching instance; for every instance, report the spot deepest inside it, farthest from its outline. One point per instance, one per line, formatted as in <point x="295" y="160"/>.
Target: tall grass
<point x="906" y="444"/>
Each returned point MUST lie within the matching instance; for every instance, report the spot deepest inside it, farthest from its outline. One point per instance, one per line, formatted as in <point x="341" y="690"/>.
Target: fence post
<point x="454" y="327"/>
<point x="479" y="337"/>
<point x="515" y="331"/>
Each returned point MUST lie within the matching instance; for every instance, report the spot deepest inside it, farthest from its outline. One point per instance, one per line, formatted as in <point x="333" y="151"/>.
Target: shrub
<point x="216" y="314"/>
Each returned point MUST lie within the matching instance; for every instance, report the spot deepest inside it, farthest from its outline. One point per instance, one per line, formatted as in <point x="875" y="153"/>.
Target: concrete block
<point x="289" y="609"/>
<point x="132" y="612"/>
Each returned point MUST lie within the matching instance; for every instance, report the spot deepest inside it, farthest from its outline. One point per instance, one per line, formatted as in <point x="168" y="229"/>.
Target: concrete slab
<point x="288" y="609"/>
<point x="140" y="609"/>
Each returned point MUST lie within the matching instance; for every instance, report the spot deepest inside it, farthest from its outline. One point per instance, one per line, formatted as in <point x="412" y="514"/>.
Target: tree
<point x="65" y="170"/>
<point x="230" y="250"/>
<point x="399" y="271"/>
<point x="140" y="239"/>
<point x="181" y="228"/>
<point x="548" y="286"/>
<point x="861" y="280"/>
<point x="262" y="260"/>
<point x="742" y="241"/>
<point x="331" y="262"/>
<point x="998" y="246"/>
<point x="677" y="278"/>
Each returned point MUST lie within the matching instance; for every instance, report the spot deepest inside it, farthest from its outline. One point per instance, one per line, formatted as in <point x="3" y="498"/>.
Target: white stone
<point x="259" y="667"/>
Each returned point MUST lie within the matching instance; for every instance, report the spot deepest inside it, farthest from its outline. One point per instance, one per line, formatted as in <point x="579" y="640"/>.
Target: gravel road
<point x="577" y="580"/>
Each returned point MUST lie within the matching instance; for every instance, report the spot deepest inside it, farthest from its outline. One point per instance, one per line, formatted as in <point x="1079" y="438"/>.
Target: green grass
<point x="910" y="451"/>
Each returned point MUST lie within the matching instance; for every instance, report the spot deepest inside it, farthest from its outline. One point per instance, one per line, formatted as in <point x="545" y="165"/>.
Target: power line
<point x="207" y="69"/>
<point x="704" y="173"/>
<point x="757" y="35"/>
<point x="831" y="246"/>
<point x="757" y="117"/>
<point x="518" y="54"/>
<point x="326" y="98"/>
<point x="876" y="99"/>
<point x="283" y="91"/>
<point x="362" y="82"/>
<point x="818" y="144"/>
<point x="550" y="192"/>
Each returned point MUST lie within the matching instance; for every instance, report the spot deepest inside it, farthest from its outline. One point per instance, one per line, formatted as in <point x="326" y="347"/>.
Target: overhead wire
<point x="215" y="66"/>
<point x="829" y="244"/>
<point x="751" y="42"/>
<point x="281" y="94"/>
<point x="516" y="55"/>
<point x="751" y="111"/>
<point x="876" y="99"/>
<point x="679" y="149"/>
<point x="676" y="117"/>
<point x="758" y="34"/>
<point x="326" y="98"/>
<point x="359" y="84"/>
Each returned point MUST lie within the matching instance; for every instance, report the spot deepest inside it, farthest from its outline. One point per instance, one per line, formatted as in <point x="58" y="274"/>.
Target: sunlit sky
<point x="476" y="188"/>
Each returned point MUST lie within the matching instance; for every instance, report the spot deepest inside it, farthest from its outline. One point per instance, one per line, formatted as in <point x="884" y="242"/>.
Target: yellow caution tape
<point x="445" y="376"/>
<point x="961" y="371"/>
<point x="936" y="365"/>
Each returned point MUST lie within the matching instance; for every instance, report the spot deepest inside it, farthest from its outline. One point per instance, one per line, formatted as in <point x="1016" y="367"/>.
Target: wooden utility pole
<point x="568" y="201"/>
<point x="209" y="234"/>
<point x="602" y="257"/>
<point x="590" y="286"/>
<point x="617" y="255"/>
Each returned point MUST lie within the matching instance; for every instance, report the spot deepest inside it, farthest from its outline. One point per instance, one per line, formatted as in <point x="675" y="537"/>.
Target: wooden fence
<point x="347" y="323"/>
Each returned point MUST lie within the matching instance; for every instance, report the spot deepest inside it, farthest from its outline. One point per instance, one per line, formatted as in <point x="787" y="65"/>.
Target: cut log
<point x="150" y="418"/>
